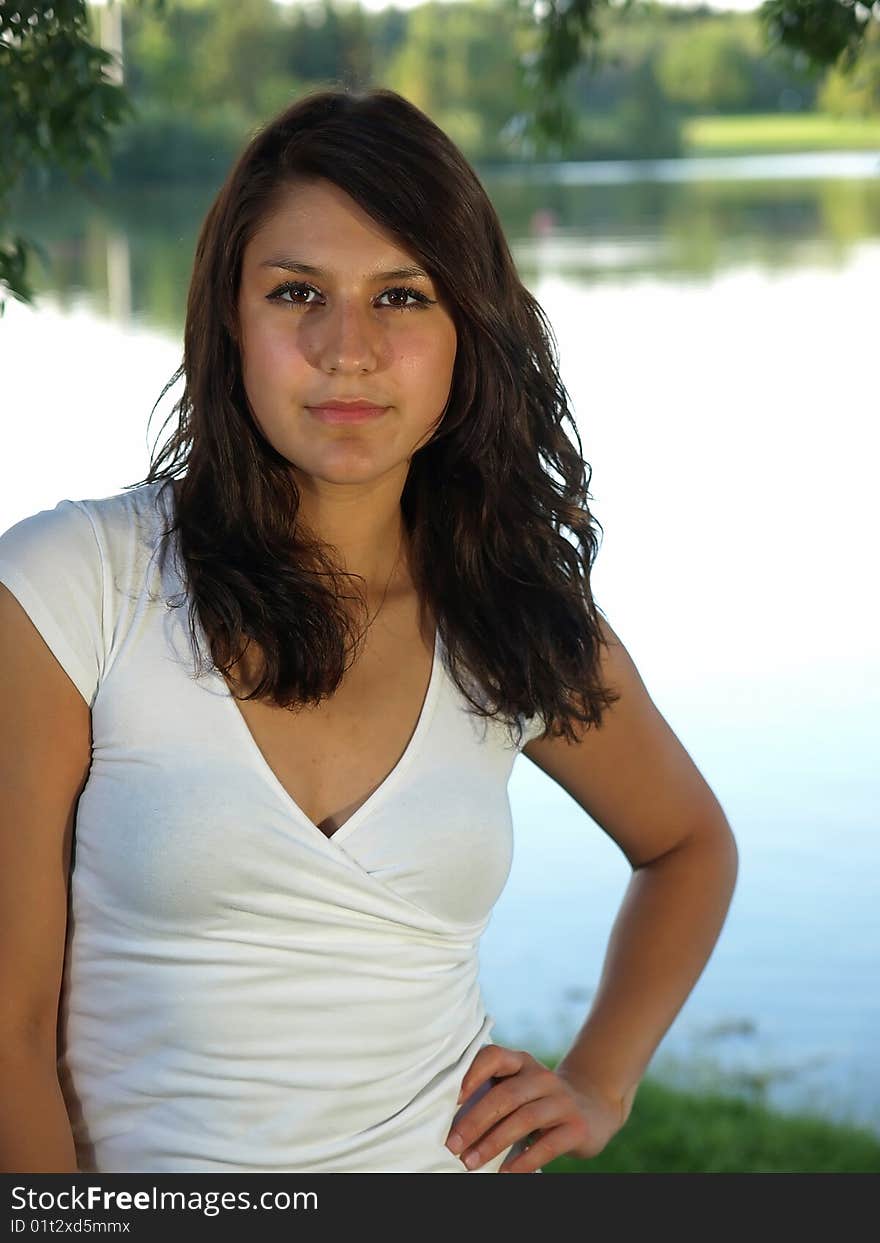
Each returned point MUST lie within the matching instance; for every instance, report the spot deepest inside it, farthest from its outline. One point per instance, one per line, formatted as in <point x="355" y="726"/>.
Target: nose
<point x="346" y="337"/>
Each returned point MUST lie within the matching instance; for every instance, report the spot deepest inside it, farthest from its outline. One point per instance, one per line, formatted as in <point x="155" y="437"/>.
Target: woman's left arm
<point x="667" y="926"/>
<point x="636" y="780"/>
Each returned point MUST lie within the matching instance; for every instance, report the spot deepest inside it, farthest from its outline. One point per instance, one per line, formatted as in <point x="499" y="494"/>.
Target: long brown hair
<point x="495" y="503"/>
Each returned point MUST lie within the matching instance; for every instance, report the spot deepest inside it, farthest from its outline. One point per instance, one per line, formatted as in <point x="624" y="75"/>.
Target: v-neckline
<point x="261" y="764"/>
<point x="381" y="791"/>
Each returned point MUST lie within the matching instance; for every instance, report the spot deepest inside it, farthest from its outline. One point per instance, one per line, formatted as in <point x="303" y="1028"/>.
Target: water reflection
<point x="795" y="166"/>
<point x="131" y="253"/>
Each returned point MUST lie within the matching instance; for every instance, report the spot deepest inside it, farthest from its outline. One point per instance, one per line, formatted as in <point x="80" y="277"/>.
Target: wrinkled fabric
<point x="242" y="993"/>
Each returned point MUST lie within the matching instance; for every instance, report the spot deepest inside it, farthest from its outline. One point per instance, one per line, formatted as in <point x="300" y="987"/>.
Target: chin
<point x="357" y="468"/>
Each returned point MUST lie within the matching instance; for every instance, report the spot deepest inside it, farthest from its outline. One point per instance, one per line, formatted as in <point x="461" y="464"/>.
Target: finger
<point x="474" y="1117"/>
<point x="500" y="1098"/>
<point x="492" y="1059"/>
<point x="517" y="1161"/>
<point x="546" y="1147"/>
<point x="537" y="1115"/>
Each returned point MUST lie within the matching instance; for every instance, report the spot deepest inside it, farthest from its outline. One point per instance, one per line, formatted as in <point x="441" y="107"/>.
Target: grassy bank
<point x="784" y="131"/>
<point x="675" y="1132"/>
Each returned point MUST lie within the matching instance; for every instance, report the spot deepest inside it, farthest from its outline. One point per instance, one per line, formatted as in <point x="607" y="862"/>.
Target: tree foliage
<point x="455" y="63"/>
<point x="822" y="31"/>
<point x="819" y="33"/>
<point x="708" y="71"/>
<point x="57" y="106"/>
<point x="853" y="89"/>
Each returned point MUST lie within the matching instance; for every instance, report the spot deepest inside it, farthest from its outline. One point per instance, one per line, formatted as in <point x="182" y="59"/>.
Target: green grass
<point x="779" y="132"/>
<point x="675" y="1132"/>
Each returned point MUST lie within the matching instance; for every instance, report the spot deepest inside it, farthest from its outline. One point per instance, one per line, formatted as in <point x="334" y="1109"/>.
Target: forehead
<point x="320" y="224"/>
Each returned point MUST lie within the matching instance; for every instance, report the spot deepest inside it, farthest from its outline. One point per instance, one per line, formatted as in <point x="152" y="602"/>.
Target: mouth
<point x="346" y="414"/>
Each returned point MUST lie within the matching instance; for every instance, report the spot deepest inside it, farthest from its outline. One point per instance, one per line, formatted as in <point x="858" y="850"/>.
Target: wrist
<point x="620" y="1101"/>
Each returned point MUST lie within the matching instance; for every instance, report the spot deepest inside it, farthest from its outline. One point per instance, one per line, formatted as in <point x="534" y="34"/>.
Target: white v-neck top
<point x="242" y="993"/>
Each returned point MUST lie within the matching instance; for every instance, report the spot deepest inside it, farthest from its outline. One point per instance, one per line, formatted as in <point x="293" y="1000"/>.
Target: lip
<point x="353" y="412"/>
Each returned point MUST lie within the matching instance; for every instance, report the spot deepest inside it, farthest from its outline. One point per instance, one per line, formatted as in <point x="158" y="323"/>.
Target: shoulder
<point x="139" y="507"/>
<point x="87" y="546"/>
<point x="70" y="568"/>
<point x="76" y="517"/>
<point x="50" y="541"/>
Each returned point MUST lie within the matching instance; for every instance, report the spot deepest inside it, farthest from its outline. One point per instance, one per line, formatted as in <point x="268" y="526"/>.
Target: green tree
<point x="817" y="33"/>
<point x="645" y="117"/>
<point x="456" y="64"/>
<point x="823" y="32"/>
<point x="224" y="59"/>
<point x="855" y="90"/>
<point x="707" y="71"/>
<point x="58" y="107"/>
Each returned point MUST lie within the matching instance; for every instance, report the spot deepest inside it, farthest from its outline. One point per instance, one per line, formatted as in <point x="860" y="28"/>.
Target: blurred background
<point x="706" y="243"/>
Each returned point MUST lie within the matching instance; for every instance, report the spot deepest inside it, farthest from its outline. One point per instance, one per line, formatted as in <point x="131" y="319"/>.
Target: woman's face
<point x="344" y="331"/>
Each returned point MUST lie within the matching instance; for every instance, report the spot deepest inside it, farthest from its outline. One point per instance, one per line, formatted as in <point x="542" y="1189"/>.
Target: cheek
<point x="269" y="359"/>
<point x="426" y="355"/>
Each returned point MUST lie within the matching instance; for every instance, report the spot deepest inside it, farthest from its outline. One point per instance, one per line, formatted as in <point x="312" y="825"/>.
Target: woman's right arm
<point x="45" y="755"/>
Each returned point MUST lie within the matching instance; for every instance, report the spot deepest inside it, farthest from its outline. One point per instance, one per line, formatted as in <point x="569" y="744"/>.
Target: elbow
<point x="713" y="834"/>
<point x="716" y="837"/>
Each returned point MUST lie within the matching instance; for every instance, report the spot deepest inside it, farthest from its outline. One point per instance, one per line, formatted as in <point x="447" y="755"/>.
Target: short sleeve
<point x="52" y="563"/>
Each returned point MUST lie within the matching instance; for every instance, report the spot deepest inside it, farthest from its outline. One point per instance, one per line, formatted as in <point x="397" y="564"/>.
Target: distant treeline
<point x="203" y="74"/>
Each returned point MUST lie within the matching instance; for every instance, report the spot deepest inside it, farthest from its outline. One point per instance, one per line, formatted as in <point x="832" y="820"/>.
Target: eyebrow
<point x="297" y="265"/>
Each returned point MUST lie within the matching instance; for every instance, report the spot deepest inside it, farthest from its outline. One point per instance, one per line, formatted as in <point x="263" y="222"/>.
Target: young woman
<point x="261" y="713"/>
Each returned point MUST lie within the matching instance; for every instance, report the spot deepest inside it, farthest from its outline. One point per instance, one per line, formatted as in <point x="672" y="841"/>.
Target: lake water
<point x="717" y="335"/>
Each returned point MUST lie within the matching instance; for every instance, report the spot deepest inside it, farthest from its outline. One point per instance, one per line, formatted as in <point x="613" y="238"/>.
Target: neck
<point x="365" y="531"/>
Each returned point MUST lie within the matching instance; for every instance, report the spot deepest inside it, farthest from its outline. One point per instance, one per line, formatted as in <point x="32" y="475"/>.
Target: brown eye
<point x="292" y="287"/>
<point x="420" y="298"/>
